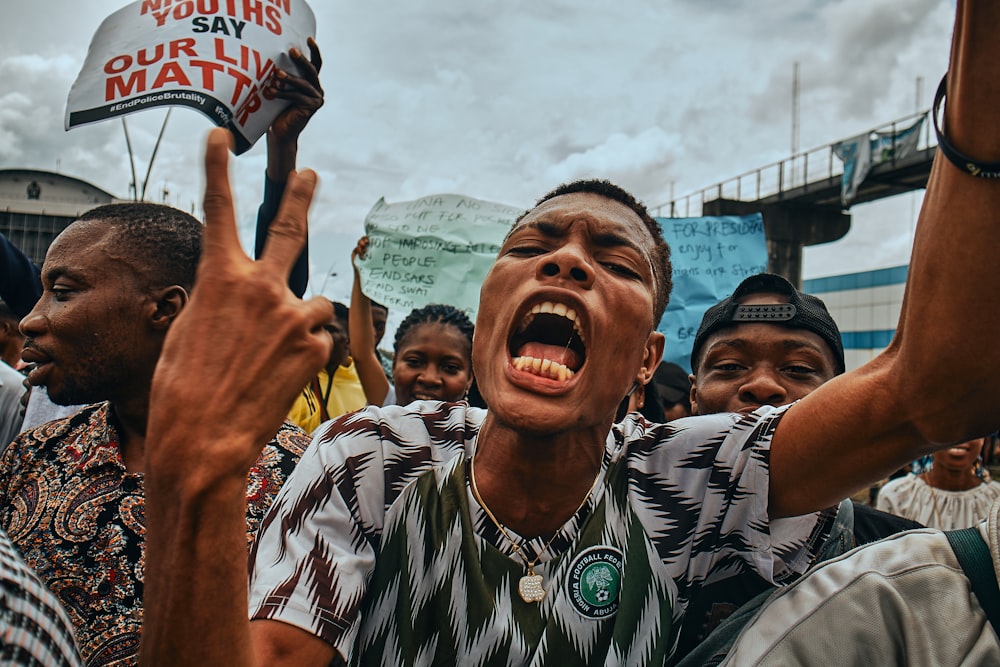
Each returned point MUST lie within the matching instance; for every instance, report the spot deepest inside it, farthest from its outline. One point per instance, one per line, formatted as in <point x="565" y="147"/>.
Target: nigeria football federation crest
<point x="595" y="582"/>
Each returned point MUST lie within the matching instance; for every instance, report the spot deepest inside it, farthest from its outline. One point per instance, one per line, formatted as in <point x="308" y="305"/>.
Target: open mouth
<point x="548" y="342"/>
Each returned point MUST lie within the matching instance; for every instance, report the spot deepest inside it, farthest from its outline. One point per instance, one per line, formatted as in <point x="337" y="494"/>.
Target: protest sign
<point x="711" y="256"/>
<point x="215" y="56"/>
<point x="436" y="249"/>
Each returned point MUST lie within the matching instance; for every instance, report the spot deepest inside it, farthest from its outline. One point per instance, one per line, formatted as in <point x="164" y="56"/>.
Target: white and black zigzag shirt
<point x="376" y="544"/>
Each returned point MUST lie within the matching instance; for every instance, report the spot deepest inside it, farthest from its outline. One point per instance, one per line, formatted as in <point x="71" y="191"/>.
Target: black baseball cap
<point x="803" y="311"/>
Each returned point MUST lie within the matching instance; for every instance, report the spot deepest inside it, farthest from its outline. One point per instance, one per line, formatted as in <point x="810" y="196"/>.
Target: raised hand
<point x="359" y="252"/>
<point x="304" y="92"/>
<point x="244" y="346"/>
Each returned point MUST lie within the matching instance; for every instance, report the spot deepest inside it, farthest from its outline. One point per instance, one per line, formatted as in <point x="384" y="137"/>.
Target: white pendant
<point x="530" y="587"/>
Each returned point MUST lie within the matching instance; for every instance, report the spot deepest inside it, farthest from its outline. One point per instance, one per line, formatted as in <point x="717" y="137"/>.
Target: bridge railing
<point x="814" y="166"/>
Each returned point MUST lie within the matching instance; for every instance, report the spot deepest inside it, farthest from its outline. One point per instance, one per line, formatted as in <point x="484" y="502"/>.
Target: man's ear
<point x="169" y="302"/>
<point x="653" y="353"/>
<point x="693" y="396"/>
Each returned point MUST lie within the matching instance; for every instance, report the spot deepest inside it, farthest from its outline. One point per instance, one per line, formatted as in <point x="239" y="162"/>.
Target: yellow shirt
<point x="345" y="395"/>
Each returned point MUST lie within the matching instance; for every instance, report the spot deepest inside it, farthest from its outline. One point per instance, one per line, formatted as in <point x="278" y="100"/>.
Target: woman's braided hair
<point x="434" y="313"/>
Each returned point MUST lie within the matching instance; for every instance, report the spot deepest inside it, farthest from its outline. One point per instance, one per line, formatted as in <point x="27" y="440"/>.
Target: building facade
<point x="866" y="307"/>
<point x="36" y="205"/>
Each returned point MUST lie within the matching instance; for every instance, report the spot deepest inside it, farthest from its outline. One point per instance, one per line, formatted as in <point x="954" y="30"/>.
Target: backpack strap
<point x="977" y="563"/>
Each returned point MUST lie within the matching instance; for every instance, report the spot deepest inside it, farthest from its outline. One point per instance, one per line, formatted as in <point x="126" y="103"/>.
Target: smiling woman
<point x="432" y="357"/>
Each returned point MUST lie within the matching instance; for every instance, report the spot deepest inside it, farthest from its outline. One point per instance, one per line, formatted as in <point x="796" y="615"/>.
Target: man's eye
<point x="620" y="269"/>
<point x="60" y="293"/>
<point x="525" y="251"/>
<point x="727" y="368"/>
<point x="800" y="370"/>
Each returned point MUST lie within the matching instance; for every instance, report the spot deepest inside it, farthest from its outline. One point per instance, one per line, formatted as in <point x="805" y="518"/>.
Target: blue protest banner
<point x="711" y="255"/>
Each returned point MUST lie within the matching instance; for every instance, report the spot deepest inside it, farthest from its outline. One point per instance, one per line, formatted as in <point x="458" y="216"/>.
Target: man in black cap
<point x="766" y="344"/>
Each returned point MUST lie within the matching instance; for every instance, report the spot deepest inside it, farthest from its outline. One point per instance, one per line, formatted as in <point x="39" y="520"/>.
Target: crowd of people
<point x="216" y="471"/>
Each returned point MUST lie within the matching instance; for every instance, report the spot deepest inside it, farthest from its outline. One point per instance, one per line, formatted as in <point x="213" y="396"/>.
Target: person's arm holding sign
<point x="937" y="383"/>
<point x="306" y="95"/>
<point x="370" y="372"/>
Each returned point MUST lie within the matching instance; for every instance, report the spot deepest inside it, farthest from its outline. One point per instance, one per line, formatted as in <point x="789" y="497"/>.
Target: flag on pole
<point x="863" y="152"/>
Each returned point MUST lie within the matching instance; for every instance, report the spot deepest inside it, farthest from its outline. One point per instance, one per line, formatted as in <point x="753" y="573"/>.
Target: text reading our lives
<point x="178" y="62"/>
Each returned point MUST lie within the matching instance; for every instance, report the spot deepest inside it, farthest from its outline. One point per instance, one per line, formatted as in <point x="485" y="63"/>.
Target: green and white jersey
<point x="377" y="545"/>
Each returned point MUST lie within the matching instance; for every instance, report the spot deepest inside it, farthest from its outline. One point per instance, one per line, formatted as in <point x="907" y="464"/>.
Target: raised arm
<point x="938" y="382"/>
<point x="306" y="97"/>
<point x="370" y="372"/>
<point x="241" y="315"/>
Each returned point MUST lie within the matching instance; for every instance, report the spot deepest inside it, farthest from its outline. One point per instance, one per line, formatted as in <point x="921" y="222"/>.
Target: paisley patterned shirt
<point x="377" y="545"/>
<point x="78" y="518"/>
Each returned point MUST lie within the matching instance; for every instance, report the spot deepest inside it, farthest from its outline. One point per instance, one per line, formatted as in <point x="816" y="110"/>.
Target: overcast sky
<point x="505" y="100"/>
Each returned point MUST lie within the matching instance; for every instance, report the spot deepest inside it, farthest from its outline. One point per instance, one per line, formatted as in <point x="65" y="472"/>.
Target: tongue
<point x="560" y="355"/>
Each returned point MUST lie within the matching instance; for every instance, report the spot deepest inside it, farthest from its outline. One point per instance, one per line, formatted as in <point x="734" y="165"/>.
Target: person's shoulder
<point x="700" y="431"/>
<point x="895" y="553"/>
<point x="290" y="440"/>
<point x="417" y="422"/>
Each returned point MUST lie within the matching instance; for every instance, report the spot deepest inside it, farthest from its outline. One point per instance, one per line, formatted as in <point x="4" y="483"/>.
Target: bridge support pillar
<point x="788" y="227"/>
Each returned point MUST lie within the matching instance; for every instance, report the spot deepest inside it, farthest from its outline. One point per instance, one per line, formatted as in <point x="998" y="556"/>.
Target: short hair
<point x="165" y="240"/>
<point x="662" y="270"/>
<point x="341" y="312"/>
<point x="378" y="306"/>
<point x="434" y="313"/>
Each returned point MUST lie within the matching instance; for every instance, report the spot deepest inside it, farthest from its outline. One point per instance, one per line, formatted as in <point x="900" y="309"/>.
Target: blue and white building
<point x="866" y="307"/>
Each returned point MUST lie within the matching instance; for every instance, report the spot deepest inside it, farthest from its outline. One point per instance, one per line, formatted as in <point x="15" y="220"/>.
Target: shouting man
<point x="537" y="532"/>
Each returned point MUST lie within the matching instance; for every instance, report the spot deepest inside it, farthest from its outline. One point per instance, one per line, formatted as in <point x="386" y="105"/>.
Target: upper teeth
<point x="560" y="309"/>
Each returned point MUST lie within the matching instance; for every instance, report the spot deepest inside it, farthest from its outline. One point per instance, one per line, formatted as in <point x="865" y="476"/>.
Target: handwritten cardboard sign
<point x="216" y="56"/>
<point x="436" y="249"/>
<point x="711" y="256"/>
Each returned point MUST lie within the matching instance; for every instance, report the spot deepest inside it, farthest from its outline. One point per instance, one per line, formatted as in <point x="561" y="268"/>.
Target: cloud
<point x="505" y="104"/>
<point x="641" y="162"/>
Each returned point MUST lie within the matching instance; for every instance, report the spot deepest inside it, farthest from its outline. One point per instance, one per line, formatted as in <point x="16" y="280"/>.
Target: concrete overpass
<point x="799" y="197"/>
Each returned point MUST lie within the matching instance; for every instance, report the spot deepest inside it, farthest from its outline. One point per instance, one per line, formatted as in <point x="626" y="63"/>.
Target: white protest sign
<point x="435" y="249"/>
<point x="215" y="56"/>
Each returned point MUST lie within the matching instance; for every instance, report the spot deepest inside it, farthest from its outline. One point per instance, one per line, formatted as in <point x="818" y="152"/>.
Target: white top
<point x="901" y="601"/>
<point x="913" y="498"/>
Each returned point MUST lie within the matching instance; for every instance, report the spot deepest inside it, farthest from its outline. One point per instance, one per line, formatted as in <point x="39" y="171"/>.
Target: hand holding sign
<point x="436" y="249"/>
<point x="216" y="57"/>
<point x="304" y="92"/>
